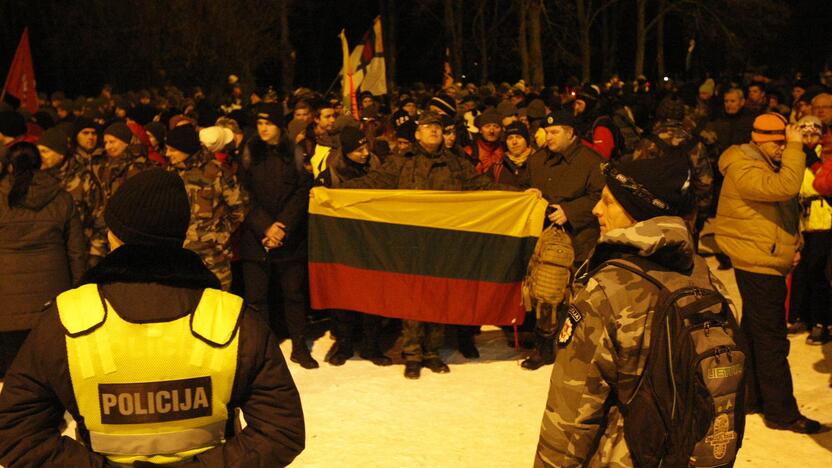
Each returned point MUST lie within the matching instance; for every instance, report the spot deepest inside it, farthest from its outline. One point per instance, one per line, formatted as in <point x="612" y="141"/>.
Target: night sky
<point x="803" y="44"/>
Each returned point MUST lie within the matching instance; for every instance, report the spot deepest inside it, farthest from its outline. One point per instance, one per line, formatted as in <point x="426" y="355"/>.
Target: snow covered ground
<point x="486" y="413"/>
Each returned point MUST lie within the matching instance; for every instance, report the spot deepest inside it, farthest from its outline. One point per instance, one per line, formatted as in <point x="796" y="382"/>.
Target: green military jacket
<point x="218" y="205"/>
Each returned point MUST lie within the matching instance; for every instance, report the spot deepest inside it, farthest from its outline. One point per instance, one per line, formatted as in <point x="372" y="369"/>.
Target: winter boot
<point x="300" y="354"/>
<point x="467" y="347"/>
<point x="543" y="354"/>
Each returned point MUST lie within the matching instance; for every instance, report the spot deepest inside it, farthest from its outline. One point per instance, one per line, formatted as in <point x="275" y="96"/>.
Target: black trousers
<point x="810" y="287"/>
<point x="344" y="329"/>
<point x="764" y="327"/>
<point x="291" y="279"/>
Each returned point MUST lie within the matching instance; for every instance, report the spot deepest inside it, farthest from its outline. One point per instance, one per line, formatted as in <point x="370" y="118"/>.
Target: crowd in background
<point x="249" y="161"/>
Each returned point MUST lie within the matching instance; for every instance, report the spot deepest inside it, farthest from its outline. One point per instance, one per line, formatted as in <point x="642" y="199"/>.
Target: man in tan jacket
<point x="757" y="227"/>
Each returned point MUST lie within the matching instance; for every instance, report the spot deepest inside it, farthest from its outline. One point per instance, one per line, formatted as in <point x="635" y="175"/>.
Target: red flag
<point x="20" y="82"/>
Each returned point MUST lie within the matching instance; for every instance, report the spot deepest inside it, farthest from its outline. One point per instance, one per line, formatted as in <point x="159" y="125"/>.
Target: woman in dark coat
<point x="41" y="246"/>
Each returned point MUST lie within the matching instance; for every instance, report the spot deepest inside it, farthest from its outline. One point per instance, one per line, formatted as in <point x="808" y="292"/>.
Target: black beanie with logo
<point x="647" y="188"/>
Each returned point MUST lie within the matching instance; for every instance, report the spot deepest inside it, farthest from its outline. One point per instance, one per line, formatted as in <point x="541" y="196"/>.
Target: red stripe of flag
<point x="415" y="297"/>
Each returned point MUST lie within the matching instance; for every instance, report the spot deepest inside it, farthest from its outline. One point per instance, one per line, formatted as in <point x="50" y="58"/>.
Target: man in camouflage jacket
<point x="123" y="160"/>
<point x="605" y="334"/>
<point x="672" y="128"/>
<point x="77" y="173"/>
<point x="217" y="200"/>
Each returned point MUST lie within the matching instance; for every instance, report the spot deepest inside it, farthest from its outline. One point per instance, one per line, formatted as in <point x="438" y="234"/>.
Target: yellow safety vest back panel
<point x="154" y="392"/>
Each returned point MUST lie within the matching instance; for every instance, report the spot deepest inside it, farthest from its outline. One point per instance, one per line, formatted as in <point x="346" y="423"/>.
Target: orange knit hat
<point x="769" y="127"/>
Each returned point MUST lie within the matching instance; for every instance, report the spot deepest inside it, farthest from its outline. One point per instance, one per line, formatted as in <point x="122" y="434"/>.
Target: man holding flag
<point x="427" y="166"/>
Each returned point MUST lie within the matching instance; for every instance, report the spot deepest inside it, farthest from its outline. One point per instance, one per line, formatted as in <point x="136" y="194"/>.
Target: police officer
<point x="569" y="176"/>
<point x="603" y="341"/>
<point x="217" y="201"/>
<point x="150" y="357"/>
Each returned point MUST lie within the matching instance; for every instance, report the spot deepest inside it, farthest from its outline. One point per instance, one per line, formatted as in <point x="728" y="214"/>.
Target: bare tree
<point x="535" y="49"/>
<point x="523" y="40"/>
<point x="587" y="12"/>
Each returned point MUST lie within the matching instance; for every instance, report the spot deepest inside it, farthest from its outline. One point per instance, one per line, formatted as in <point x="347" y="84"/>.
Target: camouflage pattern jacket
<point x="674" y="134"/>
<point x="418" y="169"/>
<point x="77" y="176"/>
<point x="109" y="176"/>
<point x="218" y="205"/>
<point x="604" y="344"/>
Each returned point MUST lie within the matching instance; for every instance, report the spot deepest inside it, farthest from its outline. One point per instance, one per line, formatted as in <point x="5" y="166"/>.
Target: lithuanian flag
<point x="434" y="256"/>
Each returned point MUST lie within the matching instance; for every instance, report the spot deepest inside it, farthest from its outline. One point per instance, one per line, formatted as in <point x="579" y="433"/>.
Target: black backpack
<point x="687" y="407"/>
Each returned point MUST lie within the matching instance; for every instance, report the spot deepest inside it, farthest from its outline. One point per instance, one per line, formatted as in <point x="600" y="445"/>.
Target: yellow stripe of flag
<point x="516" y="214"/>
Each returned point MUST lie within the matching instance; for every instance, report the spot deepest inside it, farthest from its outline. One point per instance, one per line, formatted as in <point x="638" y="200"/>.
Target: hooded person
<point x="757" y="227"/>
<point x="603" y="341"/>
<point x="150" y="294"/>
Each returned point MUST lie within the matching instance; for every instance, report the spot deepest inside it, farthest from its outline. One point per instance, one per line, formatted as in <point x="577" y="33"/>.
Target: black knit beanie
<point x="518" y="128"/>
<point x="151" y="208"/>
<point x="12" y="124"/>
<point x="121" y="131"/>
<point x="184" y="138"/>
<point x="352" y="139"/>
<point x="270" y="111"/>
<point x="82" y="123"/>
<point x="55" y="139"/>
<point x="647" y="188"/>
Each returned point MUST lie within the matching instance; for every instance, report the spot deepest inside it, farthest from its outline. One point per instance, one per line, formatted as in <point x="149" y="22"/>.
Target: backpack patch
<point x="573" y="317"/>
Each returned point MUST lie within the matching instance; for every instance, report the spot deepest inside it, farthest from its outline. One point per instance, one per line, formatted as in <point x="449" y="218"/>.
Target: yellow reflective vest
<point x="815" y="212"/>
<point x="154" y="392"/>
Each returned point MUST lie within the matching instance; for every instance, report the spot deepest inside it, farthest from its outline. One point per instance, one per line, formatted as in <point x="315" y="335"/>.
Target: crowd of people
<point x="754" y="154"/>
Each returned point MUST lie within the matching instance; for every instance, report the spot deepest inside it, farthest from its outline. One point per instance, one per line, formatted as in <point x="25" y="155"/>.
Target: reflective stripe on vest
<point x="153" y="392"/>
<point x="152" y="444"/>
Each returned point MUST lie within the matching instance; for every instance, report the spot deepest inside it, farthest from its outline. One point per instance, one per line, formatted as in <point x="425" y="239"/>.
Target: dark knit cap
<point x="407" y="131"/>
<point x="12" y="124"/>
<point x="562" y="117"/>
<point x="517" y="128"/>
<point x="158" y="130"/>
<point x="352" y="139"/>
<point x="271" y="111"/>
<point x="150" y="208"/>
<point x="184" y="138"/>
<point x="82" y="123"/>
<point x="647" y="188"/>
<point x="444" y="103"/>
<point x="55" y="139"/>
<point x="121" y="131"/>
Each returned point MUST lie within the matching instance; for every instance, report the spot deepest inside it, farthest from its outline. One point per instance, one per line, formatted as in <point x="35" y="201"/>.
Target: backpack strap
<point x="632" y="265"/>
